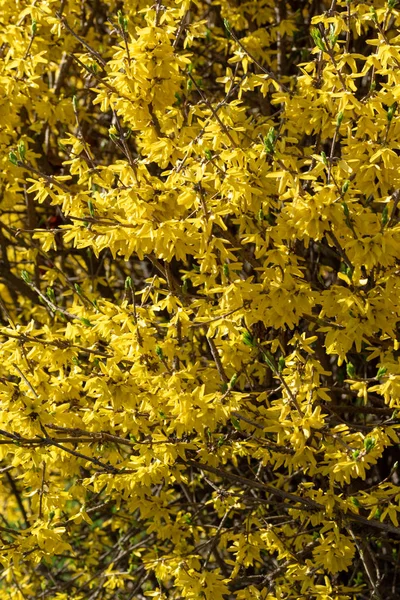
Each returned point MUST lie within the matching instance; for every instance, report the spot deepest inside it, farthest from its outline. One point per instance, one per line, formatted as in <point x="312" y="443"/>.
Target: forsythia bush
<point x="199" y="299"/>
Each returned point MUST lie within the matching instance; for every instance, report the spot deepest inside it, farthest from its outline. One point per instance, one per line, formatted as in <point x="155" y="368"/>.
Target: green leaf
<point x="91" y="207"/>
<point x="317" y="37"/>
<point x="350" y="370"/>
<point x="233" y="380"/>
<point x="12" y="157"/>
<point x="86" y="322"/>
<point x="269" y="360"/>
<point x="235" y="423"/>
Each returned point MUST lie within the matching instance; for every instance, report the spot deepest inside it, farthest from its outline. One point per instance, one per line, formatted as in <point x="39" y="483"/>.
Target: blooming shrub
<point x="200" y="299"/>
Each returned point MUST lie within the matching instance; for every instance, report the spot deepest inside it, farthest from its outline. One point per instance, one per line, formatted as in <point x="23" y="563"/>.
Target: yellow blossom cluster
<point x="199" y="299"/>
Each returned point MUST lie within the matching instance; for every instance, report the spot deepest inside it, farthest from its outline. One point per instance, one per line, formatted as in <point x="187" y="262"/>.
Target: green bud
<point x="332" y="37"/>
<point x="208" y="154"/>
<point x="128" y="283"/>
<point x="339" y="119"/>
<point x="381" y="372"/>
<point x="78" y="289"/>
<point x="75" y="103"/>
<point x="22" y="150"/>
<point x="25" y="276"/>
<point x="391" y="4"/>
<point x="355" y="501"/>
<point x="91" y="207"/>
<point x="346" y="210"/>
<point x="391" y="111"/>
<point x="122" y="21"/>
<point x="225" y="270"/>
<point x="281" y="364"/>
<point x="159" y="352"/>
<point x="33" y="27"/>
<point x="369" y="444"/>
<point x="248" y="339"/>
<point x="51" y="295"/>
<point x="224" y="388"/>
<point x="355" y="454"/>
<point x="345" y="186"/>
<point x="373" y="14"/>
<point x="324" y="159"/>
<point x="227" y="28"/>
